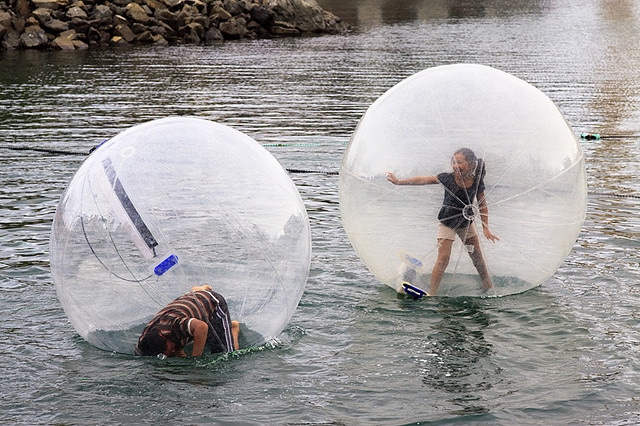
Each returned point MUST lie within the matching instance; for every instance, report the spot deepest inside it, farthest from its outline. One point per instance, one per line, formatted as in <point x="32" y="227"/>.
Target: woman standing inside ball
<point x="463" y="200"/>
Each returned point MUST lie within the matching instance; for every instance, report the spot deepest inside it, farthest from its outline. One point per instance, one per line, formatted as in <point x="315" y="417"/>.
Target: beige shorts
<point x="446" y="233"/>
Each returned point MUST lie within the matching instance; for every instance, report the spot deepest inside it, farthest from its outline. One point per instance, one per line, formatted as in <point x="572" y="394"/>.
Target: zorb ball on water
<point x="535" y="180"/>
<point x="171" y="204"/>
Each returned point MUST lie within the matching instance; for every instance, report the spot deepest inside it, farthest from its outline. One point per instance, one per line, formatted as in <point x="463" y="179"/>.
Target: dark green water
<point x="566" y="352"/>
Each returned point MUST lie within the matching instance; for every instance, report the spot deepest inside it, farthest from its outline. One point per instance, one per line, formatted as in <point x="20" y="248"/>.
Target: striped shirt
<point x="207" y="306"/>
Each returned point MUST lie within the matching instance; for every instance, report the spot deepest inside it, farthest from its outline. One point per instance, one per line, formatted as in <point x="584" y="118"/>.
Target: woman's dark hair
<point x="470" y="157"/>
<point x="152" y="344"/>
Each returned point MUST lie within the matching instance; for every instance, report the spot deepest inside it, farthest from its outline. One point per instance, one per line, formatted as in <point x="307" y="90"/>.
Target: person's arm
<point x="235" y="332"/>
<point x="484" y="216"/>
<point x="199" y="331"/>
<point x="416" y="180"/>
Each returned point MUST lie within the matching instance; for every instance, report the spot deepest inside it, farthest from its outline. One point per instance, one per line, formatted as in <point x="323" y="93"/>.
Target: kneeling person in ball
<point x="200" y="316"/>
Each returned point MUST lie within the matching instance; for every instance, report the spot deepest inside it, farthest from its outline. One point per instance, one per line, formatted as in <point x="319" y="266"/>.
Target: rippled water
<point x="566" y="352"/>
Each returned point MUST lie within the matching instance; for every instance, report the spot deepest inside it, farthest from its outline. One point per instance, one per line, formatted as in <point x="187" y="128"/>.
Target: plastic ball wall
<point x="535" y="179"/>
<point x="171" y="204"/>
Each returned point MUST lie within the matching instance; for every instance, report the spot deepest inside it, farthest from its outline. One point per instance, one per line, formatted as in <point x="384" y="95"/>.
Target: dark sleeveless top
<point x="456" y="198"/>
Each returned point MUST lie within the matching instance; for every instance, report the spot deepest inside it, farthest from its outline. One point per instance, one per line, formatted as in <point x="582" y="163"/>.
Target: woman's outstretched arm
<point x="416" y="180"/>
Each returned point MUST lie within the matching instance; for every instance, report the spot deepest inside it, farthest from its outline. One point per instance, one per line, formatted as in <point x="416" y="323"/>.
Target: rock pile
<point x="79" y="24"/>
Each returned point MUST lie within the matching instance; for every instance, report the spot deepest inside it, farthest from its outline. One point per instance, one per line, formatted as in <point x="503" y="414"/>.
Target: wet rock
<point x="76" y="12"/>
<point x="63" y="43"/>
<point x="119" y="20"/>
<point x="213" y="34"/>
<point x="118" y="41"/>
<point x="156" y="5"/>
<point x="79" y="24"/>
<point x="48" y="4"/>
<point x="102" y="13"/>
<point x="125" y="32"/>
<point x="55" y="26"/>
<point x="11" y="41"/>
<point x="284" y="29"/>
<point x="80" y="45"/>
<point x="235" y="7"/>
<point x="137" y="13"/>
<point x="22" y="8"/>
<point x="234" y="28"/>
<point x="19" y="25"/>
<point x="262" y="16"/>
<point x="159" y="40"/>
<point x="5" y="19"/>
<point x="143" y="37"/>
<point x="222" y="13"/>
<point x="42" y="14"/>
<point x="168" y="17"/>
<point x="305" y="15"/>
<point x="34" y="37"/>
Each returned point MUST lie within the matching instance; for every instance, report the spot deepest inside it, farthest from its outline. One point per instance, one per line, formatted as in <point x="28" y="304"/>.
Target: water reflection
<point x="616" y="96"/>
<point x="369" y="13"/>
<point x="457" y="356"/>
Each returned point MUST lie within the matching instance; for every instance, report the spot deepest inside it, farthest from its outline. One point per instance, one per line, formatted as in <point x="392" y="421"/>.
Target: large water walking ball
<point x="535" y="180"/>
<point x="175" y="203"/>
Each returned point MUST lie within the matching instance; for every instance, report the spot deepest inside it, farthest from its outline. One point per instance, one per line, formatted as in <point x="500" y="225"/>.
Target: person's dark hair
<point x="471" y="158"/>
<point x="153" y="344"/>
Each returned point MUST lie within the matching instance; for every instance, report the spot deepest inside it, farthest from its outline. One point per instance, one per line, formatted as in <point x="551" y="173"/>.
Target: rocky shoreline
<point x="82" y="24"/>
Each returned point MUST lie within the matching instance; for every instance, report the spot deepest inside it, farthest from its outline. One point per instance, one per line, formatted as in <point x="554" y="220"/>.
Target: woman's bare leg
<point x="475" y="252"/>
<point x="444" y="253"/>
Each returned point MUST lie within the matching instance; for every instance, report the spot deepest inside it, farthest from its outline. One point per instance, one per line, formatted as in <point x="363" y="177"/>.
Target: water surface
<point x="566" y="352"/>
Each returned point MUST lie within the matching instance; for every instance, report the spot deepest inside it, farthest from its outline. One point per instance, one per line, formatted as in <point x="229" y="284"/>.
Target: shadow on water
<point x="439" y="355"/>
<point x="456" y="358"/>
<point x="451" y="353"/>
<point x="466" y="359"/>
<point x="368" y="13"/>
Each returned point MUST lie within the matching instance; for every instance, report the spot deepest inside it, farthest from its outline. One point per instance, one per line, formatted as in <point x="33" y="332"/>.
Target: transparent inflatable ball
<point x="528" y="164"/>
<point x="175" y="203"/>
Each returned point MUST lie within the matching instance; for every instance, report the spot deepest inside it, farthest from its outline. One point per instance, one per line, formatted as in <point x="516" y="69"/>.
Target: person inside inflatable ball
<point x="464" y="199"/>
<point x="200" y="316"/>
